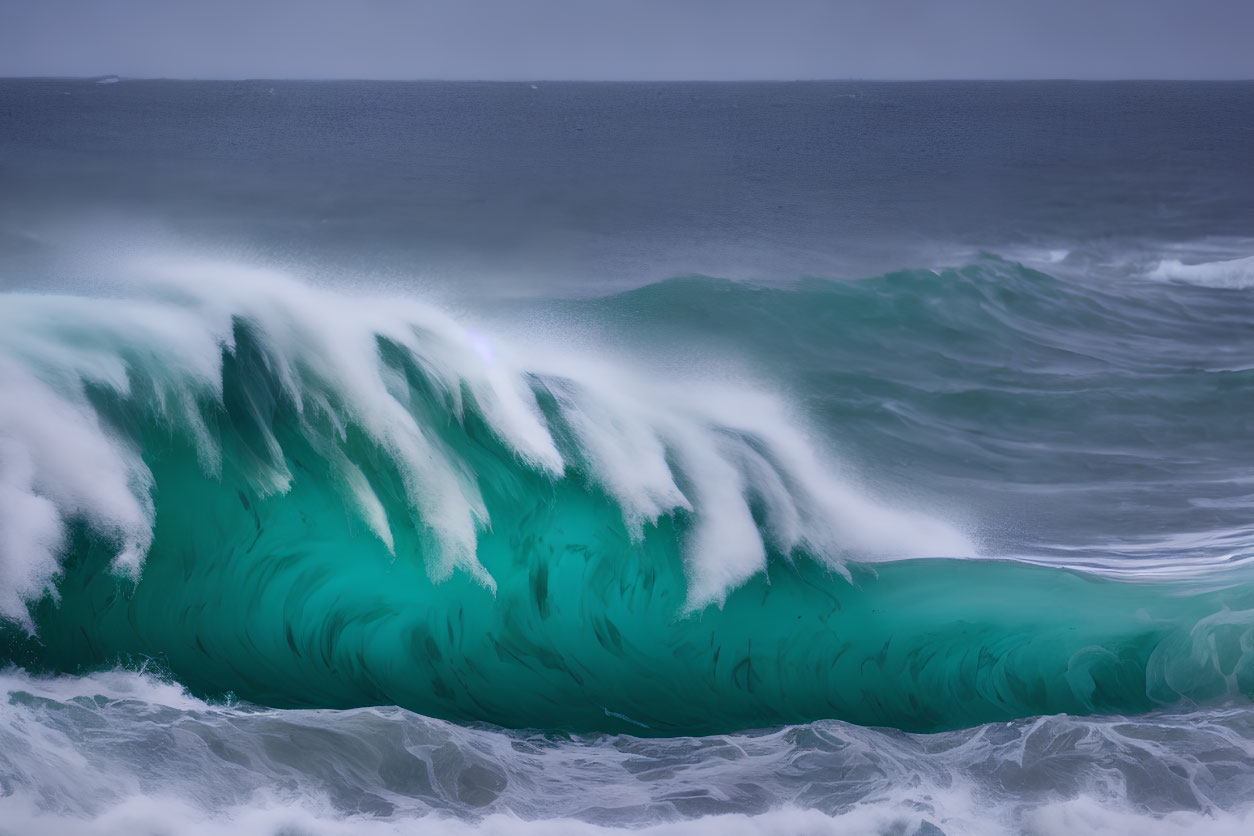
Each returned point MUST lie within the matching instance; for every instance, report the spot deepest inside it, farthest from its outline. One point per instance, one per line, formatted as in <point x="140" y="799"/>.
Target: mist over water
<point x="803" y="458"/>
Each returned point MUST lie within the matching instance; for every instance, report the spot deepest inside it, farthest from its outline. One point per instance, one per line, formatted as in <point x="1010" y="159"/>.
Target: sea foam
<point x="1234" y="273"/>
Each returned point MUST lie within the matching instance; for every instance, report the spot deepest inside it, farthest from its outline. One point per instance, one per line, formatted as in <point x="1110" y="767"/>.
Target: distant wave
<point x="1234" y="273"/>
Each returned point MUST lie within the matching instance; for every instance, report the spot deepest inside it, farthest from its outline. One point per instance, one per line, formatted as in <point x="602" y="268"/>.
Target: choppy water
<point x="754" y="458"/>
<point x="122" y="753"/>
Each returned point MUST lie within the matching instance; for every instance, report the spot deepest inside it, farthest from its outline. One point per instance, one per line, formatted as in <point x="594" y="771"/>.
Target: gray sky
<point x="629" y="39"/>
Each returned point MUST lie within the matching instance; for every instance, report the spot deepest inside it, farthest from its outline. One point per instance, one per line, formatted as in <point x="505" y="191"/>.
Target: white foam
<point x="1089" y="816"/>
<point x="21" y="813"/>
<point x="111" y="685"/>
<point x="1039" y="255"/>
<point x="1236" y="273"/>
<point x="57" y="463"/>
<point x="153" y="815"/>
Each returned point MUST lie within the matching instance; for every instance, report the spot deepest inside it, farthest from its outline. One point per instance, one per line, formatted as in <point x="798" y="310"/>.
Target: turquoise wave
<point x="304" y="499"/>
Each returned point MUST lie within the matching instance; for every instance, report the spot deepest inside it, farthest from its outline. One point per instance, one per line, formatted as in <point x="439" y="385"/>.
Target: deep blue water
<point x="589" y="187"/>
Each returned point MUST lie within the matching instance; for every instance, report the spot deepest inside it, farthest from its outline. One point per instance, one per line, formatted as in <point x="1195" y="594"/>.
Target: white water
<point x="1235" y="273"/>
<point x="120" y="754"/>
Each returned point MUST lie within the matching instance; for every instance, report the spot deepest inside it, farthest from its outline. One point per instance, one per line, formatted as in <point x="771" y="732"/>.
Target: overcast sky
<point x="629" y="39"/>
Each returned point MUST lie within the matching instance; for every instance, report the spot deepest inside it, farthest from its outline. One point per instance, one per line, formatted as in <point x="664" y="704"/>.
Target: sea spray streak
<point x="312" y="500"/>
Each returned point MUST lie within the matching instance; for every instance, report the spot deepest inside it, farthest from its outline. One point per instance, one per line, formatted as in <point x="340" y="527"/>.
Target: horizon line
<point x="97" y="77"/>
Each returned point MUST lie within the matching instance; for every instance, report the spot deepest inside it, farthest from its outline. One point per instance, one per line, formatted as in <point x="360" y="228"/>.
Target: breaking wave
<point x="303" y="497"/>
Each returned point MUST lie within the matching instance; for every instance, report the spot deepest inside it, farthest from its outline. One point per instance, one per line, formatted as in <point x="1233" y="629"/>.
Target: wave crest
<point x="1236" y="273"/>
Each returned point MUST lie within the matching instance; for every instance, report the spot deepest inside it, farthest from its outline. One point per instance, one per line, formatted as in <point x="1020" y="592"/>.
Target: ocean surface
<point x="810" y="458"/>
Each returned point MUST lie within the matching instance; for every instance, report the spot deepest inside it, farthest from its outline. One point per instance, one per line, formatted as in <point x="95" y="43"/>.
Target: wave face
<point x="304" y="498"/>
